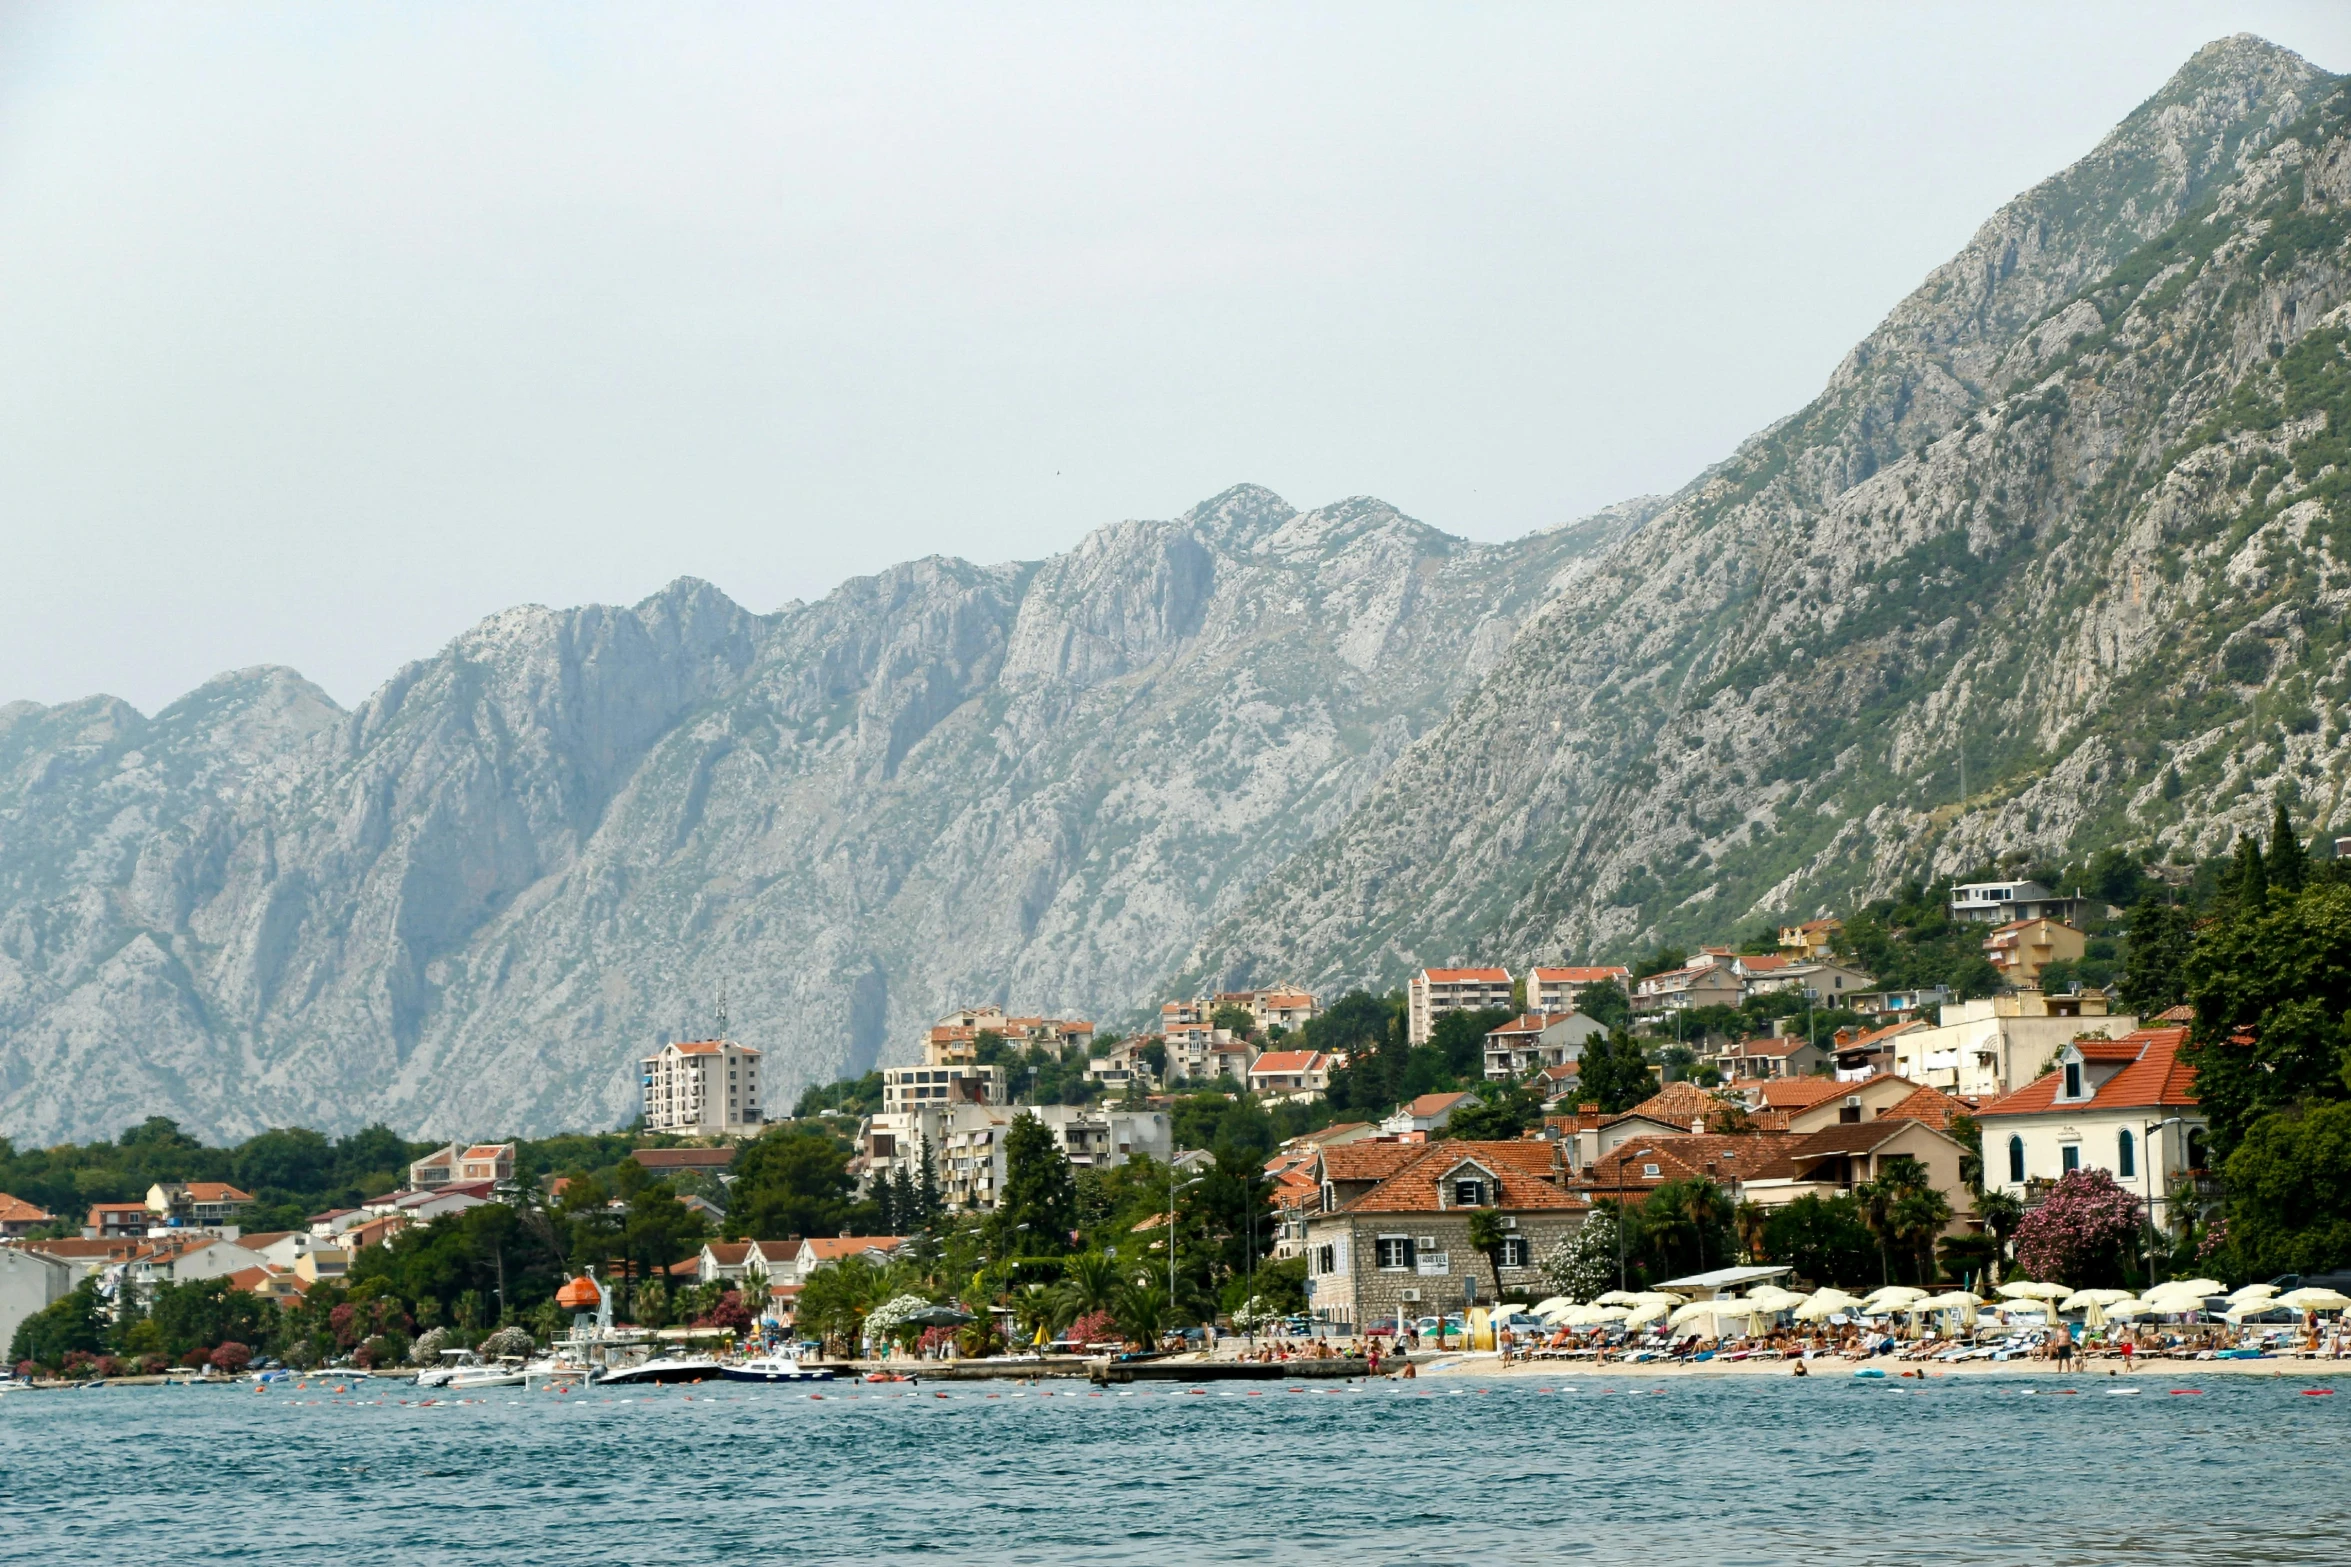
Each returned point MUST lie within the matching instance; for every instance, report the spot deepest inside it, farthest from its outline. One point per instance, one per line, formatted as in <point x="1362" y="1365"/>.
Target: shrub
<point x="508" y="1341"/>
<point x="428" y="1346"/>
<point x="231" y="1357"/>
<point x="2081" y="1233"/>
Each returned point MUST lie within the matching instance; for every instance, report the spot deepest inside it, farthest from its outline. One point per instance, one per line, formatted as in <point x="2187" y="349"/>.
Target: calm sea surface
<point x="1825" y="1470"/>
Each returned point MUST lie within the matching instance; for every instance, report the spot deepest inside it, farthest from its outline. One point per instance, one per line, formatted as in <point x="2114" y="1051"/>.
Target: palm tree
<point x="1705" y="1206"/>
<point x="1486" y="1235"/>
<point x="1089" y="1283"/>
<point x="2001" y="1212"/>
<point x="1142" y="1310"/>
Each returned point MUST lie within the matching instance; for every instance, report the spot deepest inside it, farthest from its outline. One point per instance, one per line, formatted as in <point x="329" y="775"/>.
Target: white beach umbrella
<point x="1617" y="1298"/>
<point x="2027" y="1289"/>
<point x="1658" y="1297"/>
<point x="2092" y="1304"/>
<point x="1879" y="1303"/>
<point x="1949" y="1300"/>
<point x="2244" y="1293"/>
<point x="1824" y="1304"/>
<point x="1642" y="1315"/>
<point x="1553" y="1309"/>
<point x="2116" y="1310"/>
<point x="2313" y="1298"/>
<point x="1770" y="1297"/>
<point x="1691" y="1312"/>
<point x="2196" y="1287"/>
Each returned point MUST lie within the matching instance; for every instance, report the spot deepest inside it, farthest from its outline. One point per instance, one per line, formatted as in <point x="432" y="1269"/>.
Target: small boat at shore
<point x="473" y="1379"/>
<point x="774" y="1368"/>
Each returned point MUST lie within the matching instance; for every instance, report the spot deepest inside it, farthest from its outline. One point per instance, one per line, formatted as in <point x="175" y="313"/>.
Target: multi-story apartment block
<point x="911" y="1087"/>
<point x="708" y="1087"/>
<point x="1433" y="992"/>
<point x="973" y="1166"/>
<point x="1554" y="989"/>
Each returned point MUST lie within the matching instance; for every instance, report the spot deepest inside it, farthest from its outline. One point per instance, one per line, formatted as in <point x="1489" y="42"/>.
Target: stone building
<point x="1390" y="1236"/>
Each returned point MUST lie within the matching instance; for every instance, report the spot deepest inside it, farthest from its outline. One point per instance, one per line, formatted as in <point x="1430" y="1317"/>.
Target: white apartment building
<point x="1554" y="989"/>
<point x="973" y="1166"/>
<point x="1988" y="1047"/>
<point x="2126" y="1106"/>
<point x="708" y="1086"/>
<point x="2004" y="902"/>
<point x="1433" y="992"/>
<point x="907" y="1087"/>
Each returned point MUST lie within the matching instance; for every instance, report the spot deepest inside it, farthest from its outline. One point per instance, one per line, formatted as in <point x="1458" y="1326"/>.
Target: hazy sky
<point x="326" y="330"/>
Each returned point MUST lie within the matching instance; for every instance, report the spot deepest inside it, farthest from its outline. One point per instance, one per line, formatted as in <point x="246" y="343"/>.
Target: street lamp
<point x="2147" y="1155"/>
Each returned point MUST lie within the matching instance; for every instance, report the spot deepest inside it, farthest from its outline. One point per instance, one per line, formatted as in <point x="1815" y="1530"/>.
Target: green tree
<point x="204" y="1313"/>
<point x="1486" y="1236"/>
<point x="1905" y="1212"/>
<point x="76" y="1322"/>
<point x="1234" y="1017"/>
<point x="2155" y="968"/>
<point x="2286" y="865"/>
<point x="2289" y="1184"/>
<point x="1039" y="1193"/>
<point x="1613" y="1073"/>
<point x="791" y="1181"/>
<point x="1141" y="1311"/>
<point x="1605" y="1003"/>
<point x="1089" y="1283"/>
<point x="1822" y="1238"/>
<point x="1503" y="1112"/>
<point x="2272" y="991"/>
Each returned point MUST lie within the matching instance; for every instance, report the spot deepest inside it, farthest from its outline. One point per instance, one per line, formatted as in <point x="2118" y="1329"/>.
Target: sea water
<point x="1685" y="1470"/>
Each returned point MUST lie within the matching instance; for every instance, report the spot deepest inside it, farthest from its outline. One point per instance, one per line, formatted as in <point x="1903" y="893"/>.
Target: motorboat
<point x="473" y="1379"/>
<point x="664" y="1368"/>
<point x="452" y="1362"/>
<point x="561" y="1369"/>
<point x="777" y="1367"/>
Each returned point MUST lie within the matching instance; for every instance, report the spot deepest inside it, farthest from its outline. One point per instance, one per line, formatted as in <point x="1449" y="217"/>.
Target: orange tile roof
<point x="2155" y="1077"/>
<point x="1287" y="1061"/>
<point x="1930" y="1105"/>
<point x="1460" y="976"/>
<point x="215" y="1191"/>
<point x="1368" y="1161"/>
<point x="832" y="1248"/>
<point x="1430" y="1104"/>
<point x="1520" y="1168"/>
<point x="727" y="1254"/>
<point x="1798" y="1093"/>
<point x="1598" y="975"/>
<point x="15" y="1210"/>
<point x="1679" y="1104"/>
<point x="1715" y="1156"/>
<point x="1877" y="1035"/>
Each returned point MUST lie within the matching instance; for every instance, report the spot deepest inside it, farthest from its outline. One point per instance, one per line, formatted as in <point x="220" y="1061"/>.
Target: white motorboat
<point x="778" y="1367"/>
<point x="452" y="1362"/>
<point x="664" y="1368"/>
<point x="473" y="1379"/>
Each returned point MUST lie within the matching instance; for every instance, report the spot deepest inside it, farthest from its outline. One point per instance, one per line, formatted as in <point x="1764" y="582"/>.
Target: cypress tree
<point x="2252" y="881"/>
<point x="927" y="1200"/>
<point x="2288" y="864"/>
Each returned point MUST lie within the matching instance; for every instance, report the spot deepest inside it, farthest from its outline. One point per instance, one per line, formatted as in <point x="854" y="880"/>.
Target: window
<point x="1514" y="1251"/>
<point x="1469" y="1193"/>
<point x="1326" y="1259"/>
<point x="1395" y="1253"/>
<point x="2073" y="1083"/>
<point x="2016" y="1160"/>
<point x="1649" y="1172"/>
<point x="2069" y="1157"/>
<point x="2126" y="1155"/>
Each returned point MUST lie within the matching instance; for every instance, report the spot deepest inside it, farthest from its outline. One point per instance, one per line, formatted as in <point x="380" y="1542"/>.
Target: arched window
<point x="2016" y="1160"/>
<point x="2126" y="1155"/>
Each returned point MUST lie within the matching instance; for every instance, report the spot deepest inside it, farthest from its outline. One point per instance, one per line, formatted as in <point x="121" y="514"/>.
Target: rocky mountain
<point x="470" y="904"/>
<point x="2071" y="524"/>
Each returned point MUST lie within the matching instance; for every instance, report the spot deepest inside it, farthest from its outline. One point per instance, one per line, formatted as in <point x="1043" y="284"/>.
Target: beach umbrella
<point x="2026" y="1289"/>
<point x="2196" y="1287"/>
<point x="2114" y="1310"/>
<point x="1641" y="1316"/>
<point x="1658" y="1297"/>
<point x="2092" y="1304"/>
<point x="1824" y="1304"/>
<point x="1617" y="1298"/>
<point x="2238" y="1297"/>
<point x="2313" y="1298"/>
<point x="1552" y="1307"/>
<point x="1949" y="1300"/>
<point x="1691" y="1312"/>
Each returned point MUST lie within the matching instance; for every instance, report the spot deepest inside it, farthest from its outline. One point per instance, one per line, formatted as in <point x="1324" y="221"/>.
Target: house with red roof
<point x="1425" y="1116"/>
<point x="2126" y="1106"/>
<point x="1433" y="992"/>
<point x="1291" y="1073"/>
<point x="17" y="1216"/>
<point x="1391" y="1237"/>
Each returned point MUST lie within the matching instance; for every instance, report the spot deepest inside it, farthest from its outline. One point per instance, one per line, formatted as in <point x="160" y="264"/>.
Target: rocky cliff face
<point x="2073" y="512"/>
<point x="468" y="905"/>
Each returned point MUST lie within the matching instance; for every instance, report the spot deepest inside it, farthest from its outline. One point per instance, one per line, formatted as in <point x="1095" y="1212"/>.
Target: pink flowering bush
<point x="1095" y="1327"/>
<point x="2081" y="1232"/>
